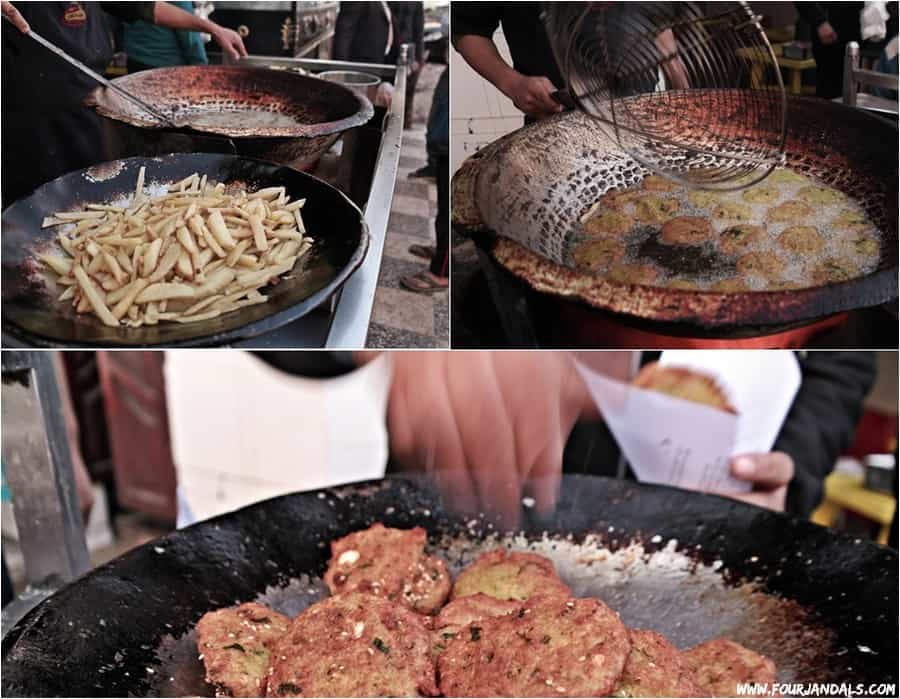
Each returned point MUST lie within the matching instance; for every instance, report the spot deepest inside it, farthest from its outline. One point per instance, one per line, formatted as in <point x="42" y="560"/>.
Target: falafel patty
<point x="466" y="610"/>
<point x="509" y="575"/>
<point x="389" y="563"/>
<point x="720" y="665"/>
<point x="354" y="645"/>
<point x="655" y="668"/>
<point x="684" y="383"/>
<point x="551" y="646"/>
<point x="235" y="644"/>
<point x="462" y="612"/>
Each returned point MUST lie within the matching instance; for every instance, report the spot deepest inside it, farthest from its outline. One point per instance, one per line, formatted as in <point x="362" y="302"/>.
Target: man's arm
<point x="473" y="25"/>
<point x="673" y="67"/>
<point x="815" y="15"/>
<point x="167" y="15"/>
<point x="531" y="95"/>
<point x="822" y="420"/>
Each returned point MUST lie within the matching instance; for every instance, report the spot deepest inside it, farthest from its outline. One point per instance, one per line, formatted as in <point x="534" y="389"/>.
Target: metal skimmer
<point x="665" y="51"/>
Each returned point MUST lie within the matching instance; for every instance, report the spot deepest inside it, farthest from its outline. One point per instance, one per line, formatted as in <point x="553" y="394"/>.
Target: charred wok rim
<point x="353" y="501"/>
<point x="703" y="308"/>
<point x="707" y="309"/>
<point x="252" y="328"/>
<point x="365" y="111"/>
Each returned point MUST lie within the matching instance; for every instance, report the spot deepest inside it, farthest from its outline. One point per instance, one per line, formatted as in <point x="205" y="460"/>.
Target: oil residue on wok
<point x="236" y="117"/>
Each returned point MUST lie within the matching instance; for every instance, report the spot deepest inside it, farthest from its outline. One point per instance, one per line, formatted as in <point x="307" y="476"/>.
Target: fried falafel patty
<point x="466" y="610"/>
<point x="720" y="665"/>
<point x="461" y="612"/>
<point x="389" y="563"/>
<point x="683" y="383"/>
<point x="655" y="668"/>
<point x="509" y="575"/>
<point x="354" y="645"/>
<point x="235" y="644"/>
<point x="551" y="646"/>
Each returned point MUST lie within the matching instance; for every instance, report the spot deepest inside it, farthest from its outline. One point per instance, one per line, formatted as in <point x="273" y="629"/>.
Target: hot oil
<point x="703" y="266"/>
<point x="237" y="117"/>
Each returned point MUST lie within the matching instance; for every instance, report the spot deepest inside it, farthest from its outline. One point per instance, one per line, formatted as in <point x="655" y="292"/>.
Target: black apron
<point x="46" y="130"/>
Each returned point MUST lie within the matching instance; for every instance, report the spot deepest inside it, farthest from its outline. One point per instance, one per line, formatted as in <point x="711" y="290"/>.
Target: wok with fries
<point x="184" y="249"/>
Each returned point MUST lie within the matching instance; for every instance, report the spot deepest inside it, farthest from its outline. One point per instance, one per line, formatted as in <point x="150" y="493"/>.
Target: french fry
<point x="94" y="298"/>
<point x="166" y="290"/>
<point x="125" y="303"/>
<point x="166" y="263"/>
<point x="217" y="227"/>
<point x="190" y="254"/>
<point x="259" y="233"/>
<point x="151" y="258"/>
<point x="59" y="265"/>
<point x="235" y="254"/>
<point x="184" y="267"/>
<point x="139" y="188"/>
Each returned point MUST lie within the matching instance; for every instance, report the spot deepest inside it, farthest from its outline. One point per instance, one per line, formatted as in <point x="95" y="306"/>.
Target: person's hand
<point x="489" y="427"/>
<point x="826" y="33"/>
<point x="230" y="41"/>
<point x="383" y="95"/>
<point x="533" y="96"/>
<point x="770" y="475"/>
<point x="13" y="15"/>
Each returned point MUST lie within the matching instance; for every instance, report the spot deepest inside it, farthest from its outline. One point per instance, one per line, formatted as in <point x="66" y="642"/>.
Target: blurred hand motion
<point x="488" y="427"/>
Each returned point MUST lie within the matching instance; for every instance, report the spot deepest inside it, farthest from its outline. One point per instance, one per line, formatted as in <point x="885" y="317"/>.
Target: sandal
<point x="423" y="251"/>
<point x="422" y="283"/>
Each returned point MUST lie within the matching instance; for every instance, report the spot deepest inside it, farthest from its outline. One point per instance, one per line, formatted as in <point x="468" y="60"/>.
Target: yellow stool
<point x="845" y="491"/>
<point x="794" y="67"/>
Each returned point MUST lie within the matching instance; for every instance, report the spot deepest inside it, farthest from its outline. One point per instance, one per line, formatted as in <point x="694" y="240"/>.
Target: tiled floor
<point x="402" y="318"/>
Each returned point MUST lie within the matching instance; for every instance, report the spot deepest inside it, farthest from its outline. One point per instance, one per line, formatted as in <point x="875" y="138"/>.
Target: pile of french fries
<point x="191" y="254"/>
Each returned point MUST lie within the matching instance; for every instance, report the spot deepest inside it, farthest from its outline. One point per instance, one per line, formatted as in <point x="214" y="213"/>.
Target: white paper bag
<point x="672" y="441"/>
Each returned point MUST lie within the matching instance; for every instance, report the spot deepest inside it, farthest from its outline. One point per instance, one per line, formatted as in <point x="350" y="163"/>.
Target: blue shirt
<point x="160" y="46"/>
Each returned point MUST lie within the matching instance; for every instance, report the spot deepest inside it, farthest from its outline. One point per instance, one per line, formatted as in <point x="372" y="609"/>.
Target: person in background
<point x="490" y="427"/>
<point x="834" y="25"/>
<point x="437" y="276"/>
<point x="534" y="75"/>
<point x="152" y="46"/>
<point x="364" y="32"/>
<point x="409" y="28"/>
<point x="47" y="131"/>
<point x="438" y="125"/>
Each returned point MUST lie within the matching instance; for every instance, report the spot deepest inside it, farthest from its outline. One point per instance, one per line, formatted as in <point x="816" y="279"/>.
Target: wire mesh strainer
<point x="654" y="72"/>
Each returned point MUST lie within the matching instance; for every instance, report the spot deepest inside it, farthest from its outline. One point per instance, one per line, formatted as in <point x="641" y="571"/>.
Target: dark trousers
<point x="829" y="69"/>
<point x="411" y="81"/>
<point x="437" y="133"/>
<point x="440" y="263"/>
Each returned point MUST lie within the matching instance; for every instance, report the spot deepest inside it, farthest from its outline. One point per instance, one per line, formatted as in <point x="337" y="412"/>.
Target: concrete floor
<point x="401" y="318"/>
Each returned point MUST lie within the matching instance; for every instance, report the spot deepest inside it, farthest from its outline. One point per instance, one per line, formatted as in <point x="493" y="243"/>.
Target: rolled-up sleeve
<point x="478" y="18"/>
<point x="131" y="11"/>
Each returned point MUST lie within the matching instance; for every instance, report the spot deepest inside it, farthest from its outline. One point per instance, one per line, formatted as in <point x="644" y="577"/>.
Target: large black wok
<point x="821" y="604"/>
<point x="31" y="311"/>
<point x="255" y="112"/>
<point x="522" y="195"/>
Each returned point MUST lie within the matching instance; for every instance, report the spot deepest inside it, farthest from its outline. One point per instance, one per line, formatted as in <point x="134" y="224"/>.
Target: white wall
<point x="480" y="113"/>
<point x="243" y="431"/>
